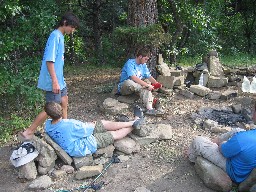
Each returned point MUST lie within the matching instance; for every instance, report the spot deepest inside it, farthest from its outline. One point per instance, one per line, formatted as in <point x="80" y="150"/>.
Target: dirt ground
<point x="159" y="167"/>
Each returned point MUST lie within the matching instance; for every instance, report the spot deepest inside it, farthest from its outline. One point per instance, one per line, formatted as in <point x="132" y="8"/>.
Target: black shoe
<point x="138" y="112"/>
<point x="122" y="118"/>
<point x="137" y="124"/>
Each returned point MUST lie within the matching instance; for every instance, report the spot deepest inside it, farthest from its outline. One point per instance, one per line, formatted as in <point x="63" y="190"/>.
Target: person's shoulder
<point x="56" y="34"/>
<point x="130" y="62"/>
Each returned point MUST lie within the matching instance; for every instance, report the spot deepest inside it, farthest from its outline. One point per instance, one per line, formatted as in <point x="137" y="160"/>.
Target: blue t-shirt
<point x="73" y="136"/>
<point x="240" y="151"/>
<point x="132" y="68"/>
<point x="54" y="52"/>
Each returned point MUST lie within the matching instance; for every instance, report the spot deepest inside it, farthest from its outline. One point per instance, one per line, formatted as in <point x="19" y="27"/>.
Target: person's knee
<point x="64" y="101"/>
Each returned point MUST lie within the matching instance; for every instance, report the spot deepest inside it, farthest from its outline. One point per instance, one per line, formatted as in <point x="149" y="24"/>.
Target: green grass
<point x="238" y="60"/>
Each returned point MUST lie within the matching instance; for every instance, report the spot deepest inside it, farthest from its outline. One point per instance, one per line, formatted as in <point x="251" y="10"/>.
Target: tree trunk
<point x="144" y="13"/>
<point x="177" y="33"/>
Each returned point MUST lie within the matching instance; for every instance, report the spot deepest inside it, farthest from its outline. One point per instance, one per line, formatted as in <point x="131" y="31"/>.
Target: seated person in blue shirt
<point x="234" y="152"/>
<point x="132" y="80"/>
<point x="79" y="139"/>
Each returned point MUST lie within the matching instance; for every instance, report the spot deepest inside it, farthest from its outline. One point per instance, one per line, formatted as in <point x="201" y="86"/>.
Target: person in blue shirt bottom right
<point x="234" y="152"/>
<point x="81" y="138"/>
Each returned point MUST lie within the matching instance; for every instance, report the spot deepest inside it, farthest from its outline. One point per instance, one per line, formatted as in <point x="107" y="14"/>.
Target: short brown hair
<point x="53" y="109"/>
<point x="142" y="51"/>
<point x="69" y="19"/>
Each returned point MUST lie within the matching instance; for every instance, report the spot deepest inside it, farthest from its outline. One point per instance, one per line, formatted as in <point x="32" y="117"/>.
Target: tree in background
<point x="143" y="14"/>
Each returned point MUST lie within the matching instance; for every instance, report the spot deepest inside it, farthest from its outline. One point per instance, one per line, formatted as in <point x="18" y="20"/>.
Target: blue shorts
<point x="56" y="97"/>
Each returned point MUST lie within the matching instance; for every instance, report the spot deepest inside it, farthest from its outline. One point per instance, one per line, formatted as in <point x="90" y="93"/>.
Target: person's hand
<point x="56" y="88"/>
<point x="157" y="85"/>
<point x="216" y="140"/>
<point x="149" y="87"/>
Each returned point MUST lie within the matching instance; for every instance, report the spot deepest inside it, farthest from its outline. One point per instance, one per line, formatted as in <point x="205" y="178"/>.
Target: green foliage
<point x="238" y="60"/>
<point x="151" y="35"/>
<point x="23" y="24"/>
<point x="10" y="126"/>
<point x="18" y="90"/>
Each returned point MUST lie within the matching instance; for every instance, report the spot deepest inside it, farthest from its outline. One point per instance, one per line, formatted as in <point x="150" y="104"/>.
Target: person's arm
<point x="55" y="83"/>
<point x="142" y="83"/>
<point x="152" y="80"/>
<point x="226" y="136"/>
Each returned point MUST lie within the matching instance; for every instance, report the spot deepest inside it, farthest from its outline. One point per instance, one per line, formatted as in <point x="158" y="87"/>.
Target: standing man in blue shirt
<point x="234" y="152"/>
<point x="51" y="78"/>
<point x="133" y="74"/>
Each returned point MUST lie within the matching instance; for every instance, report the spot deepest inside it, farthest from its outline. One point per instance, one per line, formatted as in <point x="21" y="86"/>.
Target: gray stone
<point x="41" y="183"/>
<point x="214" y="95"/>
<point x="59" y="151"/>
<point x="162" y="68"/>
<point x="199" y="90"/>
<point x="113" y="106"/>
<point x="141" y="189"/>
<point x="58" y="173"/>
<point x="215" y="67"/>
<point x="27" y="171"/>
<point x="88" y="171"/>
<point x="142" y="132"/>
<point x="127" y="145"/>
<point x="83" y="161"/>
<point x="130" y="99"/>
<point x="220" y="129"/>
<point x="249" y="182"/>
<point x="176" y="73"/>
<point x="209" y="124"/>
<point x="212" y="176"/>
<point x="166" y="81"/>
<point x="236" y="108"/>
<point x="178" y="81"/>
<point x="253" y="188"/>
<point x="187" y="93"/>
<point x="228" y="94"/>
<point x="217" y="82"/>
<point x="105" y="152"/>
<point x="68" y="169"/>
<point x="44" y="170"/>
<point x="157" y="132"/>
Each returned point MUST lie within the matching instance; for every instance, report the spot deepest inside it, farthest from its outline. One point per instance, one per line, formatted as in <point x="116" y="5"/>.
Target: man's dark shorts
<point x="56" y="97"/>
<point x="102" y="136"/>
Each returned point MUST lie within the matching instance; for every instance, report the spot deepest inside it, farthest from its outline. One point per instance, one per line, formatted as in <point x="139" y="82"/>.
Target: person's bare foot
<point x="25" y="136"/>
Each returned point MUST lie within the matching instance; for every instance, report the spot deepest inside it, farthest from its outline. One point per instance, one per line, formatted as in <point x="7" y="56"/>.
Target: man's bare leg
<point x="121" y="133"/>
<point x="114" y="126"/>
<point x="64" y="105"/>
<point x="41" y="117"/>
<point x="29" y="132"/>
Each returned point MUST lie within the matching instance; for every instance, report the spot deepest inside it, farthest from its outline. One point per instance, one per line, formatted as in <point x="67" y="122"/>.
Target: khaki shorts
<point x="102" y="136"/>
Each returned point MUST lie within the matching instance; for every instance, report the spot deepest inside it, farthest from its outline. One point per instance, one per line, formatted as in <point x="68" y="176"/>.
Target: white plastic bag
<point x="253" y="85"/>
<point x="201" y="80"/>
<point x="246" y="85"/>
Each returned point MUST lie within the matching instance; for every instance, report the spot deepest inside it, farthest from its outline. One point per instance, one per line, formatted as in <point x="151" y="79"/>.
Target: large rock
<point x="41" y="183"/>
<point x="113" y="106"/>
<point x="215" y="67"/>
<point x="217" y="81"/>
<point x="166" y="81"/>
<point x="88" y="171"/>
<point x="162" y="68"/>
<point x="212" y="176"/>
<point x="199" y="90"/>
<point x="127" y="145"/>
<point x="247" y="184"/>
<point x="59" y="151"/>
<point x="156" y="132"/>
<point x="27" y="171"/>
